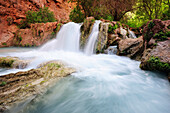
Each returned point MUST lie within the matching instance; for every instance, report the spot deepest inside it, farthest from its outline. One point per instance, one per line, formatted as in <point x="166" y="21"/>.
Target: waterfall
<point x="131" y="34"/>
<point x="67" y="39"/>
<point x="90" y="46"/>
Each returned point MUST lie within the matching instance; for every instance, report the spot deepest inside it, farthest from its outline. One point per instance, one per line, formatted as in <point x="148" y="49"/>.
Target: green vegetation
<point x="3" y="83"/>
<point x="112" y="28"/>
<point x="151" y="25"/>
<point x="161" y="36"/>
<point x="134" y="13"/>
<point x="54" y="65"/>
<point x="76" y="15"/>
<point x="4" y="44"/>
<point x="6" y="62"/>
<point x="20" y="38"/>
<point x="42" y="16"/>
<point x="156" y="64"/>
<point x="58" y="27"/>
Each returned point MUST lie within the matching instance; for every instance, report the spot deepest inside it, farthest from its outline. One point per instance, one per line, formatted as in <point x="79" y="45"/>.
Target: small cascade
<point x="111" y="50"/>
<point x="123" y="32"/>
<point x="90" y="46"/>
<point x="131" y="34"/>
<point x="67" y="39"/>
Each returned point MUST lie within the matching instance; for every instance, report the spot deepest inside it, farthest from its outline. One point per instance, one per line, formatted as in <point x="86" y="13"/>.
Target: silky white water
<point x="102" y="84"/>
<point x="67" y="39"/>
<point x="131" y="34"/>
<point x="89" y="48"/>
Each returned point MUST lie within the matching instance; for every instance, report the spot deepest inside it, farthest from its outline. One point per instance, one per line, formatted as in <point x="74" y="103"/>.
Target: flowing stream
<point x="102" y="84"/>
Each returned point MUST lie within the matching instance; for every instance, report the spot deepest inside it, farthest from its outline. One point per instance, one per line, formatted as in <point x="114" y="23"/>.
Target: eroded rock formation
<point x="18" y="87"/>
<point x="13" y="11"/>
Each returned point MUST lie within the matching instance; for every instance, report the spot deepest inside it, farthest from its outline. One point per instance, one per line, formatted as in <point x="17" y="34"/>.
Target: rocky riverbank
<point x="18" y="88"/>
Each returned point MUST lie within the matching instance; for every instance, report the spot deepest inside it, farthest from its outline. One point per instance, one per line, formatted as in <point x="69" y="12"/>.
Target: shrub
<point x="151" y="25"/>
<point x="112" y="28"/>
<point x="156" y="64"/>
<point x="4" y="44"/>
<point x="161" y="36"/>
<point x="42" y="16"/>
<point x="76" y="15"/>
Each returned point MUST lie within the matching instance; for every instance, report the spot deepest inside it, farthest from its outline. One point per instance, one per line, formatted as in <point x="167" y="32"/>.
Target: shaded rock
<point x="157" y="58"/>
<point x="131" y="47"/>
<point x="152" y="28"/>
<point x="113" y="39"/>
<point x="13" y="62"/>
<point x="24" y="86"/>
<point x="102" y="37"/>
<point x="86" y="30"/>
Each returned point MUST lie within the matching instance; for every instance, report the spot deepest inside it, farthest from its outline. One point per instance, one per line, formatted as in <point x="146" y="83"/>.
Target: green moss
<point x="3" y="83"/>
<point x="156" y="64"/>
<point x="54" y="65"/>
<point x="6" y="62"/>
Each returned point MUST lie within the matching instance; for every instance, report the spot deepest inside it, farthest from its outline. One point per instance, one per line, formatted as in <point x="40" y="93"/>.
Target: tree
<point x="152" y="9"/>
<point x="115" y="9"/>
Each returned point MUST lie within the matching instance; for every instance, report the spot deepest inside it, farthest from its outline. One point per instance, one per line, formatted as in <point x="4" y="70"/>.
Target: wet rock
<point x="157" y="58"/>
<point x="86" y="30"/>
<point x="22" y="87"/>
<point x="102" y="37"/>
<point x="13" y="62"/>
<point x="131" y="47"/>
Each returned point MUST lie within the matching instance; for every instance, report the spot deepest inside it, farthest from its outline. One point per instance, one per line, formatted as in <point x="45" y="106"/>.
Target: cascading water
<point x="90" y="46"/>
<point x="67" y="39"/>
<point x="102" y="84"/>
<point x="131" y="34"/>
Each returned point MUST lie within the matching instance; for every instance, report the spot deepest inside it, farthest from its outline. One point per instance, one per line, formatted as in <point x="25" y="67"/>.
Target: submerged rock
<point x="13" y="62"/>
<point x="131" y="47"/>
<point x="18" y="87"/>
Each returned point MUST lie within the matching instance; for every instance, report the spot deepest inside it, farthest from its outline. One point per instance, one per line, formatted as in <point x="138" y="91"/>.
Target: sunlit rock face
<point x="13" y="11"/>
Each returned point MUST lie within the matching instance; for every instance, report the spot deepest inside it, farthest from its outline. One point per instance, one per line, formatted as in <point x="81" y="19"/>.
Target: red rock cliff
<point x="13" y="11"/>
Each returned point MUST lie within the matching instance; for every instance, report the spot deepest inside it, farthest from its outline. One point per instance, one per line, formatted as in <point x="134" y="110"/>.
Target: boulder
<point x="157" y="58"/>
<point x="155" y="29"/>
<point x="131" y="47"/>
<point x="22" y="87"/>
<point x="13" y="62"/>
